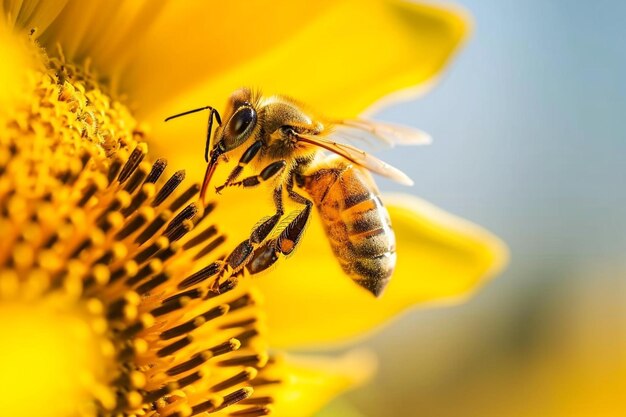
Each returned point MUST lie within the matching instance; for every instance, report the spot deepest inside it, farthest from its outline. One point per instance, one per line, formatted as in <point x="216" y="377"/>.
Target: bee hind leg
<point x="290" y="236"/>
<point x="232" y="265"/>
<point x="245" y="252"/>
<point x="268" y="253"/>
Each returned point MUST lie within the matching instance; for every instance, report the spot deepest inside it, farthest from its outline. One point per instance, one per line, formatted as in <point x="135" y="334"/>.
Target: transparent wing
<point x="356" y="156"/>
<point x="359" y="132"/>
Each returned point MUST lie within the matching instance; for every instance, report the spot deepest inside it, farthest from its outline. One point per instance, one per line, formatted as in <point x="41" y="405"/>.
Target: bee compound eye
<point x="241" y="121"/>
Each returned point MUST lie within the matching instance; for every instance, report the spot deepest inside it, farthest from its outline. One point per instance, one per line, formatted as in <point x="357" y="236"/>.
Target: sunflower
<point x="108" y="262"/>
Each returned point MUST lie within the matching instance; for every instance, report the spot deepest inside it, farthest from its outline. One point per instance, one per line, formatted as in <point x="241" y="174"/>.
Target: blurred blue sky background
<point x="529" y="127"/>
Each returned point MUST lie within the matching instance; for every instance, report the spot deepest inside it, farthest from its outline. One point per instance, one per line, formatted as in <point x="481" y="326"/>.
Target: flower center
<point x="107" y="268"/>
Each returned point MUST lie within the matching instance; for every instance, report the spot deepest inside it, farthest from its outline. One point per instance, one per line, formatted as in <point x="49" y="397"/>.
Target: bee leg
<point x="244" y="252"/>
<point x="247" y="156"/>
<point x="262" y="231"/>
<point x="233" y="264"/>
<point x="263" y="257"/>
<point x="267" y="254"/>
<point x="290" y="236"/>
<point x="268" y="172"/>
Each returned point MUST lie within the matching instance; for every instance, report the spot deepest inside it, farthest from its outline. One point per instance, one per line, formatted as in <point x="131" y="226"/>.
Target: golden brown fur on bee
<point x="355" y="220"/>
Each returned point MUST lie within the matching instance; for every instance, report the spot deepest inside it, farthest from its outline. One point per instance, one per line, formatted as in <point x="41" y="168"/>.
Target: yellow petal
<point x="24" y="15"/>
<point x="339" y="57"/>
<point x="309" y="382"/>
<point x="441" y="258"/>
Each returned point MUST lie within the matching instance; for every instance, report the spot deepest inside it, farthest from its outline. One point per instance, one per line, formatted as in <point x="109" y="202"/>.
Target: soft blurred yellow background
<point x="529" y="142"/>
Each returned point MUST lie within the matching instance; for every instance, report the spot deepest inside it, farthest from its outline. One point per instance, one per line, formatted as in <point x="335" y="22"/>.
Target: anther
<point x="207" y="406"/>
<point x="147" y="253"/>
<point x="168" y="188"/>
<point x="194" y="323"/>
<point x="87" y="193"/>
<point x="240" y="323"/>
<point x="226" y="347"/>
<point x="243" y="376"/>
<point x="157" y="169"/>
<point x="189" y="379"/>
<point x="191" y="294"/>
<point x="153" y="283"/>
<point x="114" y="169"/>
<point x="241" y="302"/>
<point x="184" y="197"/>
<point x="258" y="360"/>
<point x="188" y="365"/>
<point x="246" y="336"/>
<point x="136" y="179"/>
<point x="236" y="396"/>
<point x="185" y="214"/>
<point x="171" y="306"/>
<point x="133" y="162"/>
<point x="145" y="193"/>
<point x="201" y="275"/>
<point x="201" y="237"/>
<point x="210" y="247"/>
<point x="174" y="347"/>
<point x="131" y="226"/>
<point x="152" y="228"/>
<point x="145" y="271"/>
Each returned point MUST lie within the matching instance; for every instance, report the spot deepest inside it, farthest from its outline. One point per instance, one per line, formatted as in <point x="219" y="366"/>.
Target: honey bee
<point x="290" y="144"/>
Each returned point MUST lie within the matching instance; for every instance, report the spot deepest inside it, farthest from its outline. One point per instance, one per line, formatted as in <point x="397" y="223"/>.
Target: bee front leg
<point x="247" y="156"/>
<point x="268" y="172"/>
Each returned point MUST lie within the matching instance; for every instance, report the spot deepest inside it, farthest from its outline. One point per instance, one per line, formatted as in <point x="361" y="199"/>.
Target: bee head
<point x="241" y="119"/>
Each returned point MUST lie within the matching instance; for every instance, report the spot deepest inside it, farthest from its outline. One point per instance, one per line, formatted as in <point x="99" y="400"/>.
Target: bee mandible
<point x="291" y="144"/>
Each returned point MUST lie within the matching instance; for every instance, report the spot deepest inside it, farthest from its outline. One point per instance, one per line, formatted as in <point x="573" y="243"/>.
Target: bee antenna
<point x="213" y="113"/>
<point x="217" y="115"/>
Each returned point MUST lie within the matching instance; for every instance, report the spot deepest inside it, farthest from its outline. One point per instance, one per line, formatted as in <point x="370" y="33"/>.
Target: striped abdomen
<point x="356" y="222"/>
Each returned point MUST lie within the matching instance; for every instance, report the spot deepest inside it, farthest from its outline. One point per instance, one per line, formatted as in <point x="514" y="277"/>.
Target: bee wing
<point x="378" y="132"/>
<point x="357" y="156"/>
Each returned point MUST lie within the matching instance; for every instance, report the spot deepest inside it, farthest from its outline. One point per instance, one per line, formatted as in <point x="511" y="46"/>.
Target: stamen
<point x="194" y="323"/>
<point x="136" y="179"/>
<point x="184" y="197"/>
<point x="201" y="237"/>
<point x="244" y="376"/>
<point x="157" y="170"/>
<point x="168" y="188"/>
<point x="174" y="347"/>
<point x="170" y="306"/>
<point x="201" y="275"/>
<point x="133" y="162"/>
<point x="97" y="234"/>
<point x="235" y="397"/>
<point x="152" y="228"/>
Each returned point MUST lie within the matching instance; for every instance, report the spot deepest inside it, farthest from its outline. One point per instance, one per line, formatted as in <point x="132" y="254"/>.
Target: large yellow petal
<point x="339" y="57"/>
<point x="441" y="258"/>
